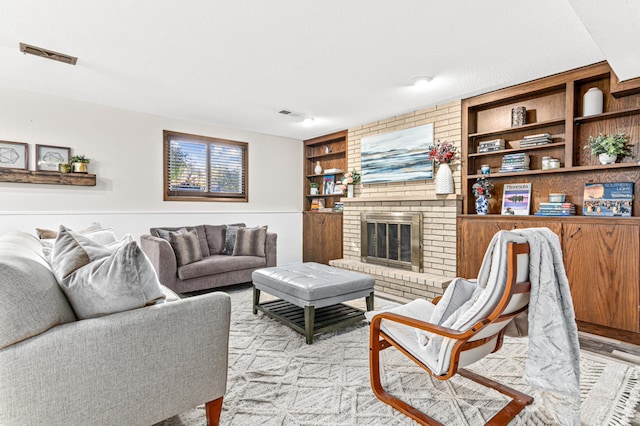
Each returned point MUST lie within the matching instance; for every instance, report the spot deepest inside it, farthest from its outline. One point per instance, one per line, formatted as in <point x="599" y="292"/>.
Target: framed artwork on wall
<point x="48" y="157"/>
<point x="398" y="156"/>
<point x="14" y="155"/>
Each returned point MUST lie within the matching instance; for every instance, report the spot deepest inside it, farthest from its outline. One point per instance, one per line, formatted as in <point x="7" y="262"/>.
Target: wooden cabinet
<point x="603" y="269"/>
<point x="322" y="239"/>
<point x="475" y="232"/>
<point x="601" y="260"/>
<point x="322" y="230"/>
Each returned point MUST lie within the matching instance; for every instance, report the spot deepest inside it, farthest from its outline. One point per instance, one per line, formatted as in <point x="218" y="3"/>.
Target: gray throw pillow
<point x="164" y="233"/>
<point x="250" y="242"/>
<point x="99" y="280"/>
<point x="230" y="239"/>
<point x="186" y="247"/>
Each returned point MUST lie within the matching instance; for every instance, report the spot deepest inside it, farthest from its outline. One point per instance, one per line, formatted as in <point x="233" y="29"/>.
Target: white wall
<point x="125" y="149"/>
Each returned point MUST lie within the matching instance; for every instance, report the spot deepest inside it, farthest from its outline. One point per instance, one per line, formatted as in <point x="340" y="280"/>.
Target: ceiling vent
<point x="290" y="113"/>
<point x="49" y="54"/>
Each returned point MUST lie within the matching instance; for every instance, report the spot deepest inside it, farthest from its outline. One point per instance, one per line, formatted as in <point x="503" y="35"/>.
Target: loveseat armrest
<point x="163" y="259"/>
<point x="134" y="367"/>
<point x="271" y="249"/>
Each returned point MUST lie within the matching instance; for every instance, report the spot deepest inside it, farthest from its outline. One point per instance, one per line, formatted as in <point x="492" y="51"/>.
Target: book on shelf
<point x="328" y="184"/>
<point x="516" y="199"/>
<point x="482" y="150"/>
<point x="608" y="199"/>
<point x="316" y="204"/>
<point x="539" y="136"/>
<point x="556" y="209"/>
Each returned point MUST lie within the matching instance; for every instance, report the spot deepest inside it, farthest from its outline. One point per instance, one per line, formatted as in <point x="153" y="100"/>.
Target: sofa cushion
<point x="216" y="236"/>
<point x="250" y="241"/>
<point x="98" y="280"/>
<point x="186" y="247"/>
<point x="202" y="235"/>
<point x="230" y="239"/>
<point x="31" y="301"/>
<point x="219" y="264"/>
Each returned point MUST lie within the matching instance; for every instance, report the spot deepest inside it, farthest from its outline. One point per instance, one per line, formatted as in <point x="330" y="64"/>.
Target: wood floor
<point x="616" y="349"/>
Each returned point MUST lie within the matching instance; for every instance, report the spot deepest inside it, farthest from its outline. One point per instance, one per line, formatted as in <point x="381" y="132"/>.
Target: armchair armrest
<point x="162" y="257"/>
<point x="134" y="367"/>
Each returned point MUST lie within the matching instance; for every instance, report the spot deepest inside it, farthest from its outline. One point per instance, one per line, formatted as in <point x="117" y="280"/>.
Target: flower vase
<point x="350" y="191"/>
<point x="482" y="205"/>
<point x="444" y="179"/>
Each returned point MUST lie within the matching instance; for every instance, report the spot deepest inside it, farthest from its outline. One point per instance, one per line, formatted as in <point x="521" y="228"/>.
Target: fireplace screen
<point x="392" y="239"/>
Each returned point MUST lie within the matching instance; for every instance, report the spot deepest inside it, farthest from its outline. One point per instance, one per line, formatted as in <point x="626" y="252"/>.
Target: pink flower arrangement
<point x="443" y="153"/>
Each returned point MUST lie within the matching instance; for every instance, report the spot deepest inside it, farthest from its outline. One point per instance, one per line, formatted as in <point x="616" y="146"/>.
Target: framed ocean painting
<point x="398" y="156"/>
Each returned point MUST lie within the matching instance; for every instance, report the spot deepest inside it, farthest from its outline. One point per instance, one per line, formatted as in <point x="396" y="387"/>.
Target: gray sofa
<point x="136" y="367"/>
<point x="215" y="269"/>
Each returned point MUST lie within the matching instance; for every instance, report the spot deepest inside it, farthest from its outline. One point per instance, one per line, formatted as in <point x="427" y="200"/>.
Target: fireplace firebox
<point x="392" y="239"/>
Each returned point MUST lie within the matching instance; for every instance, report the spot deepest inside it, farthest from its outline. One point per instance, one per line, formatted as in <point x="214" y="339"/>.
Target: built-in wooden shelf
<point x="52" y="178"/>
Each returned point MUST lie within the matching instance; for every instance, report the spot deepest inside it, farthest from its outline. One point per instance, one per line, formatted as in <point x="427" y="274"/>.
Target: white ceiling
<point x="236" y="63"/>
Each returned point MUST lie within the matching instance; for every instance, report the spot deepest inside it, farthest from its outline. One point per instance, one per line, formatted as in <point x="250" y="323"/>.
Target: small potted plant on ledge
<point x="482" y="190"/>
<point x="609" y="147"/>
<point x="79" y="164"/>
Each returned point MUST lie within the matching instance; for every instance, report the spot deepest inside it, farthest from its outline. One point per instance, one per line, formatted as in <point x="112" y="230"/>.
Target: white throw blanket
<point x="553" y="358"/>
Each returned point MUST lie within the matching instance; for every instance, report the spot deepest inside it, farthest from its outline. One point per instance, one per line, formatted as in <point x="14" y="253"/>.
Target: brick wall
<point x="439" y="211"/>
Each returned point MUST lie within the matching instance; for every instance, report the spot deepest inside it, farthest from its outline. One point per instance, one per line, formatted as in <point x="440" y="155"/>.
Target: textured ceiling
<point x="344" y="63"/>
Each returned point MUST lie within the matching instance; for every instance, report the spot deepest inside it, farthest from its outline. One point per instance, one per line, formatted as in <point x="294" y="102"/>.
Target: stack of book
<point x="316" y="204"/>
<point x="535" y="140"/>
<point x="518" y="162"/>
<point x="556" y="209"/>
<point x="490" y="146"/>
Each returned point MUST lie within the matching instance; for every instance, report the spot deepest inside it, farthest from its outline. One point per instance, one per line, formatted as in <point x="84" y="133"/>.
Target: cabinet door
<point x="321" y="237"/>
<point x="475" y="234"/>
<point x="602" y="267"/>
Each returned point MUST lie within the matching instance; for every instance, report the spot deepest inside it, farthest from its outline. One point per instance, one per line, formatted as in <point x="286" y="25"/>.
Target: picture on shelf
<point x="14" y="155"/>
<point x="516" y="199"/>
<point x="48" y="157"/>
<point x="328" y="184"/>
<point x="608" y="199"/>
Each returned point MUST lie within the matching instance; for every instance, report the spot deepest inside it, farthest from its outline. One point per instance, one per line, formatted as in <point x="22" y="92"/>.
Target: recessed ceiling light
<point x="422" y="81"/>
<point x="308" y="121"/>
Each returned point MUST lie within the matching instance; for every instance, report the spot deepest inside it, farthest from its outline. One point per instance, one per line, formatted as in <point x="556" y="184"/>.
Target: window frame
<point x="168" y="135"/>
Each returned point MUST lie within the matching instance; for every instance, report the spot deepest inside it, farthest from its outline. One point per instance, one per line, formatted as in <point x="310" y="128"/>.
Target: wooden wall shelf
<point x="52" y="178"/>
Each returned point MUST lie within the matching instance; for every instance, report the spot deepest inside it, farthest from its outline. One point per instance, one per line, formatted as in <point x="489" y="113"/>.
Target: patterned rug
<point x="277" y="379"/>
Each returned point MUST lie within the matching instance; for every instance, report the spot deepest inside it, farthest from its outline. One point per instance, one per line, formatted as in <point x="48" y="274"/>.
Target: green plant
<point x="79" y="159"/>
<point x="613" y="144"/>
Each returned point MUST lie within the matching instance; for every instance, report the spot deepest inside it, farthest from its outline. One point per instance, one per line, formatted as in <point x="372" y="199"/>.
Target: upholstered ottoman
<point x="311" y="296"/>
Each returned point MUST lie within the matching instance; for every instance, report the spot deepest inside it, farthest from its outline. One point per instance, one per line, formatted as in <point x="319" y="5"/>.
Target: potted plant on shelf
<point x="64" y="167"/>
<point x="609" y="147"/>
<point x="443" y="154"/>
<point x="79" y="164"/>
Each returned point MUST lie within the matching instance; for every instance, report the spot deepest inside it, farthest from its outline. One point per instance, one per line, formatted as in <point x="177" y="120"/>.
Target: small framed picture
<point x="48" y="157"/>
<point x="14" y="155"/>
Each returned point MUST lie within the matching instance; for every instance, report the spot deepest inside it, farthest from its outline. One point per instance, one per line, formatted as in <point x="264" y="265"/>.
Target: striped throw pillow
<point x="250" y="242"/>
<point x="186" y="247"/>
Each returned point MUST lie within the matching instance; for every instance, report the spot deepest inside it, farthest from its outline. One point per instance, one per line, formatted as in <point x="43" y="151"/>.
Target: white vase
<point x="318" y="168"/>
<point x="444" y="179"/>
<point x="607" y="159"/>
<point x="350" y="191"/>
<point x="592" y="102"/>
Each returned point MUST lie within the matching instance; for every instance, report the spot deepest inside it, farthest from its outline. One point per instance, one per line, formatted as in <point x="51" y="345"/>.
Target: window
<point x="199" y="168"/>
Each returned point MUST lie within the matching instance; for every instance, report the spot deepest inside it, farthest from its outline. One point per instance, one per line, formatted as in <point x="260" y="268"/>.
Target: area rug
<point x="277" y="379"/>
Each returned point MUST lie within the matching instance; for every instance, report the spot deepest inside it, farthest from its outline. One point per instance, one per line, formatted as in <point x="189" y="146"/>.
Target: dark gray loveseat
<point x="215" y="269"/>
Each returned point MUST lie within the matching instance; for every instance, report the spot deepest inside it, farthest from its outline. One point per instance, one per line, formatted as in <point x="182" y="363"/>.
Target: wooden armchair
<point x="467" y="340"/>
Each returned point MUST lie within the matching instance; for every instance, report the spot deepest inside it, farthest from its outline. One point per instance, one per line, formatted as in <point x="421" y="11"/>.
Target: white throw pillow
<point x="100" y="280"/>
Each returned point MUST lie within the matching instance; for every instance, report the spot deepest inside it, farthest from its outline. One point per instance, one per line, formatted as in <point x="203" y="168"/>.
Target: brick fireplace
<point x="437" y="213"/>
